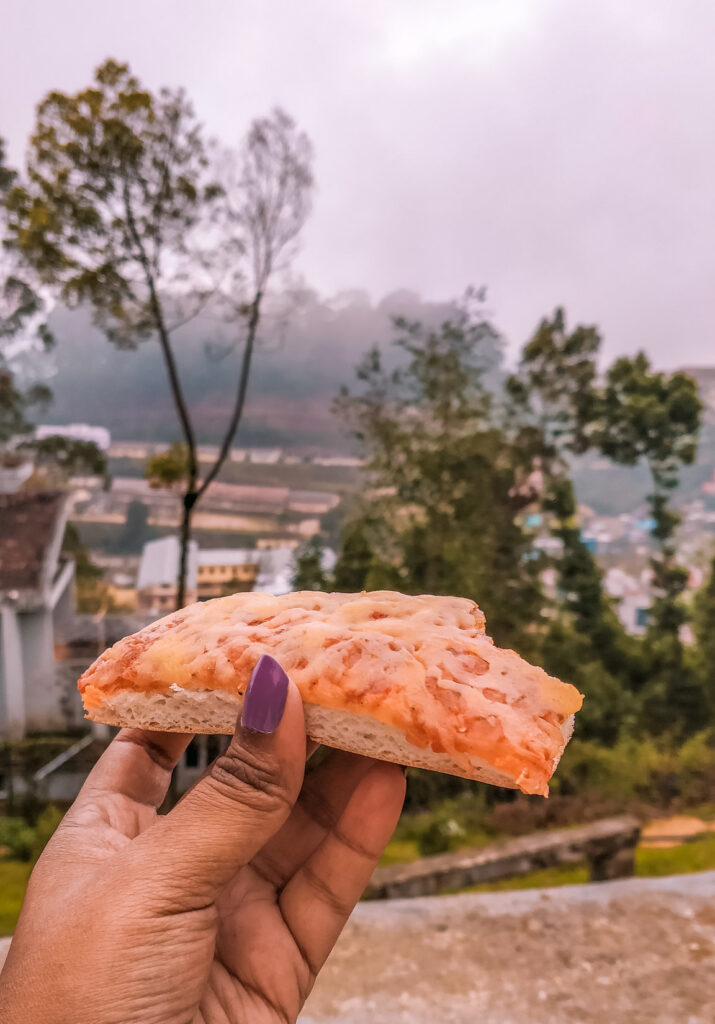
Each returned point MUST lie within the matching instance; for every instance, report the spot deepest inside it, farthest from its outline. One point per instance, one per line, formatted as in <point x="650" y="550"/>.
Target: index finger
<point x="137" y="765"/>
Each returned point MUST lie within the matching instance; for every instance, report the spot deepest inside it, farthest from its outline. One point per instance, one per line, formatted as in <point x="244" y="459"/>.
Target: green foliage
<point x="122" y="213"/>
<point x="115" y="176"/>
<point x="22" y="312"/>
<point x="168" y="468"/>
<point x="14" y="876"/>
<point x="444" y="503"/>
<point x="92" y="593"/>
<point x="657" y="772"/>
<point x="25" y="842"/>
<point x="653" y="417"/>
<point x="72" y="545"/>
<point x="571" y="654"/>
<point x="44" y="829"/>
<point x="649" y="415"/>
<point x="554" y="388"/>
<point x="554" y="406"/>
<point x="649" y="863"/>
<point x="309" y="572"/>
<point x="356" y="559"/>
<point x="440" y="837"/>
<point x="17" y="837"/>
<point x="73" y="458"/>
<point x="704" y="629"/>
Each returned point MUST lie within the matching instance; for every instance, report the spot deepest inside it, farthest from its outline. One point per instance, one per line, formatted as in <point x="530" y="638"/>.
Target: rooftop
<point x="31" y="524"/>
<point x="159" y="564"/>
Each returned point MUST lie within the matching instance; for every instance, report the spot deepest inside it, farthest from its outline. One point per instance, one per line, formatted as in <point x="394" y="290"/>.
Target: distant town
<point x="247" y="533"/>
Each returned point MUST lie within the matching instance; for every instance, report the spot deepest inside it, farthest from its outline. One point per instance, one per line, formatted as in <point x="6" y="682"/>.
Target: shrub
<point x="17" y="837"/>
<point x="45" y="829"/>
<point x="441" y="836"/>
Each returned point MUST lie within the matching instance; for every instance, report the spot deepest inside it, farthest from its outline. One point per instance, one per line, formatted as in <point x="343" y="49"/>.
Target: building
<point x="315" y="503"/>
<point x="76" y="432"/>
<point x="224" y="571"/>
<point x="15" y="469"/>
<point x="212" y="572"/>
<point x="36" y="598"/>
<point x="158" y="571"/>
<point x="632" y="595"/>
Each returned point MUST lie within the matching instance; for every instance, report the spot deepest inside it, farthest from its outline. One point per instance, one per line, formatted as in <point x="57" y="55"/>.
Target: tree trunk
<point x="185" y="540"/>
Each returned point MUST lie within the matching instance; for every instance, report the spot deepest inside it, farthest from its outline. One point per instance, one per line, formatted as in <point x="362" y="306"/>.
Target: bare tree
<point x="267" y="195"/>
<point x="124" y="210"/>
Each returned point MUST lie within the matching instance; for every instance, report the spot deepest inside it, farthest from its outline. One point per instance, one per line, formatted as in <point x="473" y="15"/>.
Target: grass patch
<point x="568" y="874"/>
<point x="698" y="855"/>
<point x="687" y="859"/>
<point x="400" y="851"/>
<point x="13" y="882"/>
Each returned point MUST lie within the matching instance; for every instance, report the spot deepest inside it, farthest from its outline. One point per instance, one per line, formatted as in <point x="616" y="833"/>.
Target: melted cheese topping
<point x="422" y="664"/>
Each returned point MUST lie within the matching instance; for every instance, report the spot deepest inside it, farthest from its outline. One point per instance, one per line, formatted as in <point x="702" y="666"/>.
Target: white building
<point x="77" y="432"/>
<point x="36" y="597"/>
<point x="212" y="572"/>
<point x="158" y="572"/>
<point x="632" y="595"/>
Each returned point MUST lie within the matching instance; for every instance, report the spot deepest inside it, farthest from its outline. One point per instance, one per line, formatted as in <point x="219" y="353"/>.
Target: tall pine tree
<point x="650" y="417"/>
<point x="443" y="492"/>
<point x="553" y="405"/>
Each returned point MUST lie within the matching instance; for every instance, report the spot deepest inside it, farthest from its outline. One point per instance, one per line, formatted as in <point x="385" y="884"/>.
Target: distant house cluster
<point x="211" y="572"/>
<point x="237" y="508"/>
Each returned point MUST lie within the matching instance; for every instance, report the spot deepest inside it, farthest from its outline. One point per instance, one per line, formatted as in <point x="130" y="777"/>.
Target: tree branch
<point x="164" y="341"/>
<point x="240" y="395"/>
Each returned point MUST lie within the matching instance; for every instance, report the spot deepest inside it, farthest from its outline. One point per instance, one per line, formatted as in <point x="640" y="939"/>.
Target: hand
<point x="222" y="911"/>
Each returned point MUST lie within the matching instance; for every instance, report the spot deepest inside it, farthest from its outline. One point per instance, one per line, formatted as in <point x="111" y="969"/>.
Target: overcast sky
<point x="558" y="151"/>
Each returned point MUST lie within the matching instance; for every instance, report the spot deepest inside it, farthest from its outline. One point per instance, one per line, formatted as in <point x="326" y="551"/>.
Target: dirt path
<point x="636" y="952"/>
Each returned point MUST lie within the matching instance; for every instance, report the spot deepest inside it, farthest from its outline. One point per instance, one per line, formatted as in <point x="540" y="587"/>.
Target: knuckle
<point x="253" y="779"/>
<point x="326" y="894"/>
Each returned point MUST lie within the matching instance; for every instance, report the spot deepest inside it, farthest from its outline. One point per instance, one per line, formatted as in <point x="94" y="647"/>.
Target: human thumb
<point x="230" y="814"/>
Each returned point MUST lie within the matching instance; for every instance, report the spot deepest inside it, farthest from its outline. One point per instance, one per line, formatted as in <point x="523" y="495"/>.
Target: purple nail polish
<point x="265" y="696"/>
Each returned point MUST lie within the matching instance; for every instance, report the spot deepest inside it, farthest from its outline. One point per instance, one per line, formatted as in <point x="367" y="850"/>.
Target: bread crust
<point x="413" y="677"/>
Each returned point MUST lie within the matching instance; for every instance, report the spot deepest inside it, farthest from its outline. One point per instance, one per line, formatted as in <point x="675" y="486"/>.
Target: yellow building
<point x="222" y="571"/>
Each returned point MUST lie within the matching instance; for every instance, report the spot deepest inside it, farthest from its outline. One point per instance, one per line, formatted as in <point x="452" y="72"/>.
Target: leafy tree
<point x="22" y="319"/>
<point x="309" y="572"/>
<point x="704" y="630"/>
<point x="553" y="392"/>
<point x="356" y="560"/>
<point x="442" y="477"/>
<point x="93" y="593"/>
<point x="69" y="456"/>
<point x="652" y="417"/>
<point x="168" y="468"/>
<point x="553" y="400"/>
<point x="124" y="210"/>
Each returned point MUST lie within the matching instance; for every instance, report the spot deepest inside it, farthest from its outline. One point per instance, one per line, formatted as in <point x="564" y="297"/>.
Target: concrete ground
<point x="631" y="952"/>
<point x="634" y="951"/>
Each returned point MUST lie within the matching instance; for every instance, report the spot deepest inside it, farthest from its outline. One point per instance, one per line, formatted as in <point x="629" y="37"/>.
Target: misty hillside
<point x="298" y="369"/>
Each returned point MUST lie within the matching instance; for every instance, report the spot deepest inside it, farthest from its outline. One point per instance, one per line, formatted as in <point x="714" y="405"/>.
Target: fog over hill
<point x="301" y="362"/>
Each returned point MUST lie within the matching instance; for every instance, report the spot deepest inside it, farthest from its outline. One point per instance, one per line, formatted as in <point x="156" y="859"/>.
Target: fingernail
<point x="265" y="696"/>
